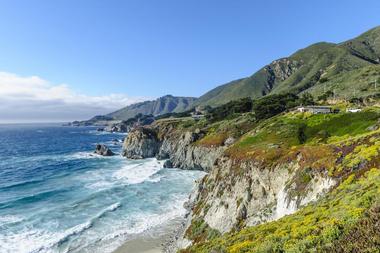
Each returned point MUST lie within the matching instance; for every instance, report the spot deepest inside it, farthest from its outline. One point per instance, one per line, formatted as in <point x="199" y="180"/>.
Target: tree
<point x="272" y="105"/>
<point x="230" y="109"/>
<point x="306" y="99"/>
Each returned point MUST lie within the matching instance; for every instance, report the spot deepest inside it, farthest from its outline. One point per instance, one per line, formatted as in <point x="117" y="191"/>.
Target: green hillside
<point x="317" y="68"/>
<point x="345" y="220"/>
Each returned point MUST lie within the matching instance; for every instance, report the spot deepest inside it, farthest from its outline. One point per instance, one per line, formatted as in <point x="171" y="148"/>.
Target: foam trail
<point x="138" y="173"/>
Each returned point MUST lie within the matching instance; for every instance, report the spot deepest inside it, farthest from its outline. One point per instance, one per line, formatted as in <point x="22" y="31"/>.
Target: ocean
<point x="57" y="196"/>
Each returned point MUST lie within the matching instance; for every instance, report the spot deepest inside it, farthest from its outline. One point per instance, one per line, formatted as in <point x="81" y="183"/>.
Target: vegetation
<point x="354" y="85"/>
<point x="346" y="146"/>
<point x="283" y="135"/>
<point x="350" y="211"/>
<point x="218" y="132"/>
<point x="199" y="231"/>
<point x="272" y="105"/>
<point x="230" y="109"/>
<point x="175" y="115"/>
<point x="144" y="119"/>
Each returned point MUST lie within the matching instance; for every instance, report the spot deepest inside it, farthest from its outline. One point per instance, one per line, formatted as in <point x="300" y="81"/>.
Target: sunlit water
<point x="57" y="196"/>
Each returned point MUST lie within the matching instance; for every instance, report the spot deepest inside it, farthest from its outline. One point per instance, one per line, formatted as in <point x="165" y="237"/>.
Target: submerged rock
<point x="103" y="150"/>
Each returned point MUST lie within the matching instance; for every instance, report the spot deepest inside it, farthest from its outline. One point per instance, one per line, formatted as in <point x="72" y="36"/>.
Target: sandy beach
<point x="141" y="245"/>
<point x="154" y="241"/>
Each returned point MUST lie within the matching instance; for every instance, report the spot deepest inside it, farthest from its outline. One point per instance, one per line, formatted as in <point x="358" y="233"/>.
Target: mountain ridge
<point x="302" y="70"/>
<point x="161" y="105"/>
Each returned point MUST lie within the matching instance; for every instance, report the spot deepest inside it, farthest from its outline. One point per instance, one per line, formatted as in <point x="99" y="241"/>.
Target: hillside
<point x="317" y="68"/>
<point x="162" y="105"/>
<point x="293" y="182"/>
<point x="343" y="147"/>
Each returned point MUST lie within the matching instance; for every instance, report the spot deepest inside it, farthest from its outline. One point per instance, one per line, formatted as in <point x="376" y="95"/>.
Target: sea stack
<point x="103" y="150"/>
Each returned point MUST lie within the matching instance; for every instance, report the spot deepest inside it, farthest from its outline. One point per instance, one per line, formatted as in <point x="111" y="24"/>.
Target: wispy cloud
<point x="33" y="99"/>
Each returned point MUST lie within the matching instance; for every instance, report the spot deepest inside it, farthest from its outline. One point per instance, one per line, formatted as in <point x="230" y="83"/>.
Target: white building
<point x="315" y="109"/>
<point x="353" y="110"/>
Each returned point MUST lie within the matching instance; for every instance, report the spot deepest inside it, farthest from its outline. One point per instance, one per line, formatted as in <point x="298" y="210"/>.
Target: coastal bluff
<point x="236" y="193"/>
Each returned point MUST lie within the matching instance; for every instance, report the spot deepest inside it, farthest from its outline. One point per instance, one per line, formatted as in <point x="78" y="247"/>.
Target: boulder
<point x="229" y="141"/>
<point x="103" y="150"/>
<point x="168" y="164"/>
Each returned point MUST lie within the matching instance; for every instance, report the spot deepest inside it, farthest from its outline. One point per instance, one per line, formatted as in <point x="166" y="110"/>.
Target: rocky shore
<point x="234" y="194"/>
<point x="179" y="148"/>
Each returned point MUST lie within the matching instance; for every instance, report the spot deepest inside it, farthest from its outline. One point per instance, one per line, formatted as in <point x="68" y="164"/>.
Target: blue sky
<point x="151" y="48"/>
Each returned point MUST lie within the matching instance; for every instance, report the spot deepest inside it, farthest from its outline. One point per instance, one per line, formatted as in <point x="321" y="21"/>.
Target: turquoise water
<point x="57" y="196"/>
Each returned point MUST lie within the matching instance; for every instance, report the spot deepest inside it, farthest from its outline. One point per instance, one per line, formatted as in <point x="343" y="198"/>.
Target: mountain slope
<point x="156" y="107"/>
<point x="303" y="70"/>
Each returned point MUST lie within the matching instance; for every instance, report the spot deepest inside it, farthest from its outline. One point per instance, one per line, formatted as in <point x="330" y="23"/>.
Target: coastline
<point x="160" y="239"/>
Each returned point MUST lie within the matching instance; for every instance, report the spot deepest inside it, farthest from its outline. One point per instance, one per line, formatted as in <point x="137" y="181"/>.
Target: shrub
<point x="230" y="109"/>
<point x="272" y="105"/>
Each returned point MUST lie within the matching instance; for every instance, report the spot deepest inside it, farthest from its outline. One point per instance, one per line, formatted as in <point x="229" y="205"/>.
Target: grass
<point x="288" y="131"/>
<point x="199" y="231"/>
<point x="342" y="124"/>
<point x="218" y="132"/>
<point x="354" y="83"/>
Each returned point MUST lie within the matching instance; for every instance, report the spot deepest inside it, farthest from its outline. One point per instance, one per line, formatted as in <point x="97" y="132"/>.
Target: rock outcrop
<point x="247" y="194"/>
<point x="185" y="154"/>
<point x="103" y="150"/>
<point x="130" y="124"/>
<point x="179" y="148"/>
<point x="141" y="143"/>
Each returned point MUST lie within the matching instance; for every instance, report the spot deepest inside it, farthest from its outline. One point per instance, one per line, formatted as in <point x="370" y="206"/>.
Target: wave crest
<point x="138" y="173"/>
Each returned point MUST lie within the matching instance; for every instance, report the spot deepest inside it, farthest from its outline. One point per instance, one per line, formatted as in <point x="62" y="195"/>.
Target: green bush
<point x="272" y="105"/>
<point x="229" y="110"/>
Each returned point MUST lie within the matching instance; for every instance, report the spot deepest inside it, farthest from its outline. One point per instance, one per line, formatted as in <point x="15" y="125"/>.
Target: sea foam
<point x="138" y="173"/>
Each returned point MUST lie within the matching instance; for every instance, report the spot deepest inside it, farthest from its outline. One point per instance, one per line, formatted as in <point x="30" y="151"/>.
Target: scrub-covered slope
<point x="308" y="67"/>
<point x="282" y="165"/>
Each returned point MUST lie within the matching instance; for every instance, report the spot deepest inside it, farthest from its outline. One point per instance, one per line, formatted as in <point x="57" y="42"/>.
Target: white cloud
<point x="33" y="99"/>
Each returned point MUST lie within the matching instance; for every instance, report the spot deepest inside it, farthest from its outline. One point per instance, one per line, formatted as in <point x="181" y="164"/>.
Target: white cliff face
<point x="234" y="196"/>
<point x="283" y="205"/>
<point x="316" y="188"/>
<point x="243" y="197"/>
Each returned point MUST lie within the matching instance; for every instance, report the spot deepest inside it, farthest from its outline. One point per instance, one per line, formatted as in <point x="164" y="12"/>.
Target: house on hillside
<point x="315" y="109"/>
<point x="199" y="113"/>
<point x="353" y="110"/>
<point x="197" y="116"/>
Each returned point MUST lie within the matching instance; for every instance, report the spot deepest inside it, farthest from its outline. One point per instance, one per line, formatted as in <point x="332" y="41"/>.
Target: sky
<point x="65" y="60"/>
